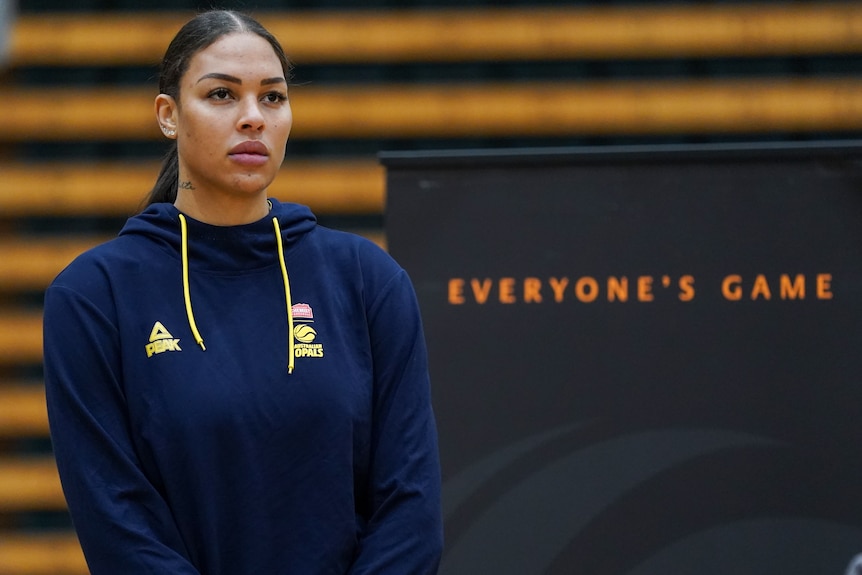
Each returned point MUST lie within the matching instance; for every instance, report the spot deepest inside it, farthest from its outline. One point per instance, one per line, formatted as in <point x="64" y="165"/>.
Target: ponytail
<point x="165" y="189"/>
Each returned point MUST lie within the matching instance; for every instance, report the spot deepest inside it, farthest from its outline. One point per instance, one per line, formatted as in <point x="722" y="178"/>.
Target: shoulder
<point x="349" y="247"/>
<point x="92" y="273"/>
<point x="360" y="262"/>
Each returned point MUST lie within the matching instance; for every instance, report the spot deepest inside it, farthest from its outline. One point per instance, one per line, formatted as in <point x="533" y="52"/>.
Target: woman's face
<point x="233" y="117"/>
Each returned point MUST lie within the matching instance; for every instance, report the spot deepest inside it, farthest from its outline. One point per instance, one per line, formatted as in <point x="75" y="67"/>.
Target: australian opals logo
<point x="304" y="333"/>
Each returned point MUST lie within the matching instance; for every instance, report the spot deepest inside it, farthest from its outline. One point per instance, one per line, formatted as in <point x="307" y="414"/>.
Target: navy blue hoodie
<point x="228" y="413"/>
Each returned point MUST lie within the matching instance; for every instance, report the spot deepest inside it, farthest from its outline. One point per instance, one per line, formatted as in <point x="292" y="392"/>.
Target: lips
<point x="249" y="153"/>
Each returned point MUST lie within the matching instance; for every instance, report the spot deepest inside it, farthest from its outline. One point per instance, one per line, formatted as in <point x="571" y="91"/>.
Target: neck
<point x="222" y="211"/>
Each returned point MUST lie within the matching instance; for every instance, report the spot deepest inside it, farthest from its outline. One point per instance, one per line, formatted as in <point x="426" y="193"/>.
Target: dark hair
<point x="197" y="34"/>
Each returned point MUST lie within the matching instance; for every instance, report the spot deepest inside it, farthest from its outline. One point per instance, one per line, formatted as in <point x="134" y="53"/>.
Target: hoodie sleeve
<point x="123" y="523"/>
<point x="404" y="534"/>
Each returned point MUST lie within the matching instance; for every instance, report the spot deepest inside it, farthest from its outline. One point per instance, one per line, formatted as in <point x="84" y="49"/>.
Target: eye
<point x="220" y="94"/>
<point x="274" y="97"/>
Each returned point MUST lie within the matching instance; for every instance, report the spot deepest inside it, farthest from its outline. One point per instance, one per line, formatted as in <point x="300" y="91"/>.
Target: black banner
<point x="646" y="361"/>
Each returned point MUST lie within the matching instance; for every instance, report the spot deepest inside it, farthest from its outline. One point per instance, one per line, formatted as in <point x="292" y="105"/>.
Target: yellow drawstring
<point x="290" y="360"/>
<point x="188" y="298"/>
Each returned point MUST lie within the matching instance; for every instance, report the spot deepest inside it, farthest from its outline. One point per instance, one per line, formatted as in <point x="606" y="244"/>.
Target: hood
<point x="222" y="249"/>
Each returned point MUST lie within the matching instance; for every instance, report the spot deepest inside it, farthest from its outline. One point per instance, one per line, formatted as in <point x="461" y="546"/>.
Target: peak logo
<point x="161" y="341"/>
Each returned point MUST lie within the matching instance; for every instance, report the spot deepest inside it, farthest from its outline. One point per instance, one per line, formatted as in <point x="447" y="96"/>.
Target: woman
<point x="210" y="413"/>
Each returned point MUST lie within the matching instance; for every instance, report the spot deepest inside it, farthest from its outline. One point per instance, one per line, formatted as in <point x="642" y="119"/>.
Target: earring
<point x="168" y="131"/>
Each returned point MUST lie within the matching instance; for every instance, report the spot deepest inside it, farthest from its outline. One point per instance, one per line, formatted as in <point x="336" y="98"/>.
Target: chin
<point x="252" y="184"/>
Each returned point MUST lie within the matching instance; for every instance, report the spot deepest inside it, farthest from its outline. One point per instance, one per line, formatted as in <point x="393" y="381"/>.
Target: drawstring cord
<point x="188" y="299"/>
<point x="186" y="294"/>
<point x="290" y="356"/>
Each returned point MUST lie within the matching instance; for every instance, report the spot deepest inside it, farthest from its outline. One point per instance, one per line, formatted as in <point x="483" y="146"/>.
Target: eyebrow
<point x="235" y="80"/>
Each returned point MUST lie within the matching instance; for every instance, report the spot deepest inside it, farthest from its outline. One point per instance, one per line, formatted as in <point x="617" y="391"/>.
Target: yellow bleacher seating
<point x="457" y="110"/>
<point x="346" y="186"/>
<point x="467" y="34"/>
<point x="43" y="554"/>
<point x="22" y="410"/>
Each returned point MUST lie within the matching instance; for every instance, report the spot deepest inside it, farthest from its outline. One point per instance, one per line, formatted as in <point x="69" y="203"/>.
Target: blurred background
<point x="79" y="148"/>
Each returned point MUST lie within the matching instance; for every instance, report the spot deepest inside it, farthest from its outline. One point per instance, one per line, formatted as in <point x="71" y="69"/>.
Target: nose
<point x="251" y="117"/>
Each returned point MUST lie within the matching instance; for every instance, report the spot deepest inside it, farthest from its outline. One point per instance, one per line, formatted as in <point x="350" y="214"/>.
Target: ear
<point x="166" y="114"/>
